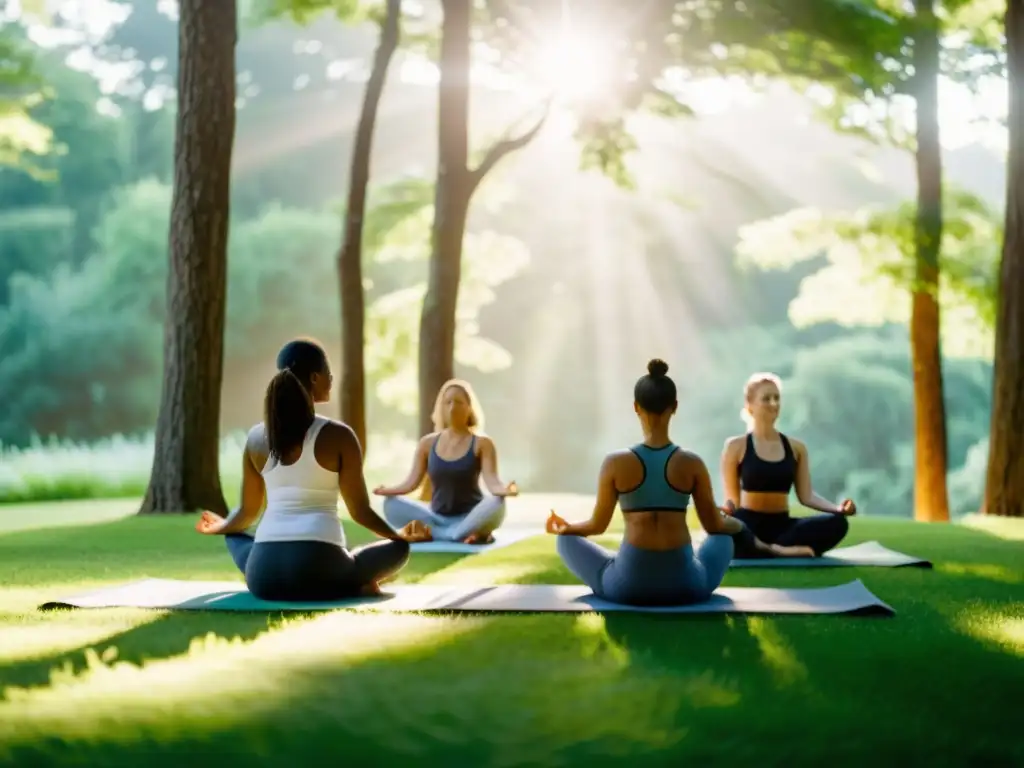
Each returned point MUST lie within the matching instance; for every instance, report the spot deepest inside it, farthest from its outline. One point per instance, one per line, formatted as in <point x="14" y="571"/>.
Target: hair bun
<point x="657" y="368"/>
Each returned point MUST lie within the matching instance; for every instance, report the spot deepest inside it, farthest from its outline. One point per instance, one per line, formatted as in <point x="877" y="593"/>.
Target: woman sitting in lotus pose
<point x="454" y="457"/>
<point x="299" y="461"/>
<point x="653" y="483"/>
<point x="760" y="467"/>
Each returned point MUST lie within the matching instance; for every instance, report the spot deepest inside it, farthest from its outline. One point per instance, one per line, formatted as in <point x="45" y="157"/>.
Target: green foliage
<point x="21" y="137"/>
<point x="305" y="11"/>
<point x="33" y="241"/>
<point x="869" y="266"/>
<point x="81" y="347"/>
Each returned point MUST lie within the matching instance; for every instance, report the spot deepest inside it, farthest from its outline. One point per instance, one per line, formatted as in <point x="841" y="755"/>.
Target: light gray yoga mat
<point x="850" y="598"/>
<point x="870" y="553"/>
<point x="503" y="537"/>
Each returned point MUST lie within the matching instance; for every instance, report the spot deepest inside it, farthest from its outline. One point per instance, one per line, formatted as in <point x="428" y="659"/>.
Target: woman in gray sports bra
<point x="455" y="458"/>
<point x="653" y="483"/>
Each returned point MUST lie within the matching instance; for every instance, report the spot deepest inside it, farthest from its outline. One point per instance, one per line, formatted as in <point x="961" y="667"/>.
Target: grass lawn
<point x="936" y="685"/>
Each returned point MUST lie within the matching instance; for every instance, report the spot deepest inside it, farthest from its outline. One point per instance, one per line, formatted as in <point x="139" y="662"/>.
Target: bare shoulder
<point x="485" y="443"/>
<point x="426" y="441"/>
<point x="256" y="439"/>
<point x="337" y="433"/>
<point x="688" y="457"/>
<point x="618" y="459"/>
<point x="735" y="445"/>
<point x="687" y="465"/>
<point x="798" y="445"/>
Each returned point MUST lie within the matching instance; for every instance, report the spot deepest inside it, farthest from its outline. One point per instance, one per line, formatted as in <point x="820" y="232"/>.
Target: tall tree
<point x="1004" y="483"/>
<point x="352" y="392"/>
<point x="931" y="498"/>
<point x="185" y="474"/>
<point x="456" y="183"/>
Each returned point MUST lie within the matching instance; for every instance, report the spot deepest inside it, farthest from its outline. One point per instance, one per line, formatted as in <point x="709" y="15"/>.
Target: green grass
<point x="936" y="685"/>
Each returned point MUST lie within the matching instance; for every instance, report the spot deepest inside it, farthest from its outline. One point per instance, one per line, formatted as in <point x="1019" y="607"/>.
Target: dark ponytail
<point x="288" y="410"/>
<point x="287" y="413"/>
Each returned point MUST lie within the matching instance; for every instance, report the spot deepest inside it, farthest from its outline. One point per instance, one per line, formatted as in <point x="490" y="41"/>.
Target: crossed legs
<point x="480" y="522"/>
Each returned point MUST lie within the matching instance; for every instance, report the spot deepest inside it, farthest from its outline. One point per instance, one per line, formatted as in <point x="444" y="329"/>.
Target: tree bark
<point x="451" y="207"/>
<point x="185" y="475"/>
<point x="931" y="499"/>
<point x="1004" y="482"/>
<point x="453" y="192"/>
<point x="352" y="386"/>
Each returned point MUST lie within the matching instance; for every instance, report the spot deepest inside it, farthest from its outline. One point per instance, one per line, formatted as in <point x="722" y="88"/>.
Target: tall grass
<point x="119" y="467"/>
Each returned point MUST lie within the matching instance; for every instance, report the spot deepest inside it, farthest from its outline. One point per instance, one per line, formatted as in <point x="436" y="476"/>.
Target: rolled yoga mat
<point x="503" y="537"/>
<point x="870" y="553"/>
<point x="850" y="598"/>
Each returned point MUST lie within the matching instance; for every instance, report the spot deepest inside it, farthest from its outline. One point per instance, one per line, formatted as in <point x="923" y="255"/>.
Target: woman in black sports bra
<point x="761" y="467"/>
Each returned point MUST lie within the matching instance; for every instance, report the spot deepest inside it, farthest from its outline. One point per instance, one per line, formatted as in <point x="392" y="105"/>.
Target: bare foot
<point x="794" y="551"/>
<point x="416" y="531"/>
<point x="476" y="538"/>
<point x="370" y="590"/>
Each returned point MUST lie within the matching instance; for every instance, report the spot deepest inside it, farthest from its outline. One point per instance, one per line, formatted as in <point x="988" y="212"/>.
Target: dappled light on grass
<point x="1003" y="630"/>
<point x="492" y="690"/>
<point x="37" y="634"/>
<point x="776" y="653"/>
<point x="216" y="683"/>
<point x="1009" y="528"/>
<point x="987" y="571"/>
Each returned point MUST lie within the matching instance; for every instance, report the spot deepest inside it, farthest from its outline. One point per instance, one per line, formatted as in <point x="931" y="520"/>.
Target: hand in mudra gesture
<point x="555" y="524"/>
<point x="210" y="523"/>
<point x="509" y="490"/>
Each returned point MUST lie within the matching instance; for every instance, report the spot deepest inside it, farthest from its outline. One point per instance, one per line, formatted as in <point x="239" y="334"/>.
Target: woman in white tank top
<point x="298" y="462"/>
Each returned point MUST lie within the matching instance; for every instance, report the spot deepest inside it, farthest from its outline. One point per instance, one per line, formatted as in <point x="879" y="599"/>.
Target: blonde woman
<point x="455" y="457"/>
<point x="761" y="467"/>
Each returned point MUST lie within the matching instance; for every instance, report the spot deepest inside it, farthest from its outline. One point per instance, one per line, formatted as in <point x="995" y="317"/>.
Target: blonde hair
<point x="750" y="388"/>
<point x="476" y="413"/>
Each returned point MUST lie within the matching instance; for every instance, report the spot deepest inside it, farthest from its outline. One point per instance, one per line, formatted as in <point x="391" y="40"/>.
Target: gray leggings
<point x="635" y="576"/>
<point x="483" y="519"/>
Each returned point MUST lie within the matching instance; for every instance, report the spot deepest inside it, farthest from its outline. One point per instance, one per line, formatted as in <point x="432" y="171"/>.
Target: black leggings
<point x="819" y="532"/>
<point x="309" y="571"/>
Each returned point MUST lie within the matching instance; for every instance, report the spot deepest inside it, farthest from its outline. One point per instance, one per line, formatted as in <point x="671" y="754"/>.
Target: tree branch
<point x="506" y="147"/>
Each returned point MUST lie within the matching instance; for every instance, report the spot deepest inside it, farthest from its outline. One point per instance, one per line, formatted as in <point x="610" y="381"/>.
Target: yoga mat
<point x="870" y="553"/>
<point x="503" y="537"/>
<point x="850" y="598"/>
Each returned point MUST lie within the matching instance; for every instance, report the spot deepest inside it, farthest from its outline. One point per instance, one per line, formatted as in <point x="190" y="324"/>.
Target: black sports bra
<point x="760" y="476"/>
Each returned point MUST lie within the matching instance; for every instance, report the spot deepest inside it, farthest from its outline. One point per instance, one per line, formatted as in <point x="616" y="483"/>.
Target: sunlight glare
<point x="576" y="65"/>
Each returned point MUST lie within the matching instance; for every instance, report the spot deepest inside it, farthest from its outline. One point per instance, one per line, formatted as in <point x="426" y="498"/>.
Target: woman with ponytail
<point x="761" y="467"/>
<point x="298" y="462"/>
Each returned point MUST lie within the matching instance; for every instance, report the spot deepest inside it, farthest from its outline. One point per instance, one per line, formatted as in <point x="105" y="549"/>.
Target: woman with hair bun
<point x="299" y="461"/>
<point x="761" y="467"/>
<point x="653" y="483"/>
<point x="455" y="457"/>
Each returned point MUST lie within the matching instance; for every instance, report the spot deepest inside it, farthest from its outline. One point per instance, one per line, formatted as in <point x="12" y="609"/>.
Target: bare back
<point x="656" y="529"/>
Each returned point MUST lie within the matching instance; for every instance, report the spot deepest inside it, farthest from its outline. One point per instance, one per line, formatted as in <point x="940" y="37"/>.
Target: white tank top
<point x="302" y="498"/>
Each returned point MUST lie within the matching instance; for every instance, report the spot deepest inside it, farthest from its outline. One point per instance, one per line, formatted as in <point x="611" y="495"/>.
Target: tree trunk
<point x="185" y="475"/>
<point x="352" y="387"/>
<point x="456" y="183"/>
<point x="931" y="501"/>
<point x="451" y="207"/>
<point x="1004" y="483"/>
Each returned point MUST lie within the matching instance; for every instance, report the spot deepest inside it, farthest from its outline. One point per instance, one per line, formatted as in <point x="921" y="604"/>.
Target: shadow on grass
<point x="127" y="550"/>
<point x="582" y="689"/>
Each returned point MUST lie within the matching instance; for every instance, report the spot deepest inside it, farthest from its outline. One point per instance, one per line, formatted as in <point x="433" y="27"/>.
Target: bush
<point x="119" y="467"/>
